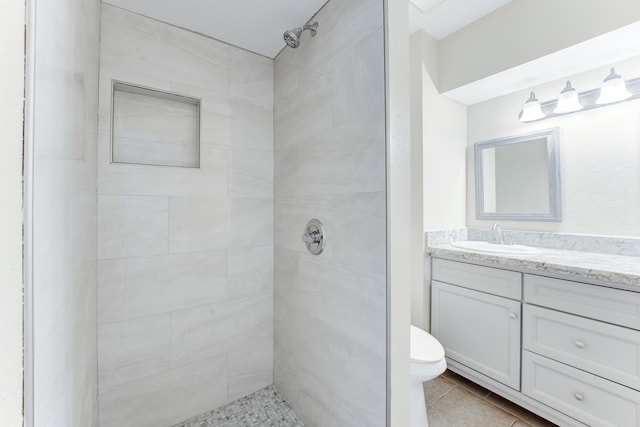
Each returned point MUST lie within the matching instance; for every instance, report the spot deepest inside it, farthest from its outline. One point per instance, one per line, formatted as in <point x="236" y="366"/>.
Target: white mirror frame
<point x="553" y="166"/>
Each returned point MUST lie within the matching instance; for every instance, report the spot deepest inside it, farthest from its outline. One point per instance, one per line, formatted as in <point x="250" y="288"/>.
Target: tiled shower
<point x="185" y="255"/>
<point x="330" y="321"/>
<point x="196" y="280"/>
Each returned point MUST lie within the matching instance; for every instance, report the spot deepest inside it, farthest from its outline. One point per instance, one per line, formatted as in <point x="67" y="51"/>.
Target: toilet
<point x="427" y="362"/>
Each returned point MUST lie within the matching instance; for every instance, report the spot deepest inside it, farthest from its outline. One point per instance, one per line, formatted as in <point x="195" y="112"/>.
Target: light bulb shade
<point x="531" y="110"/>
<point x="613" y="89"/>
<point x="568" y="101"/>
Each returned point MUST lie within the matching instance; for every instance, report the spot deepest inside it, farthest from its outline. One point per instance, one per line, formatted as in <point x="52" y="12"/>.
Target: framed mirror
<point x="518" y="177"/>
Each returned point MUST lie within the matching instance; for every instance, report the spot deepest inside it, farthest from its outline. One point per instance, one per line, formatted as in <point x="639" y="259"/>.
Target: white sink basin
<point x="496" y="248"/>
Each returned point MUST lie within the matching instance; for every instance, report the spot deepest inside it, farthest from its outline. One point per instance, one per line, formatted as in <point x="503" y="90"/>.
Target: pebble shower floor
<point x="264" y="408"/>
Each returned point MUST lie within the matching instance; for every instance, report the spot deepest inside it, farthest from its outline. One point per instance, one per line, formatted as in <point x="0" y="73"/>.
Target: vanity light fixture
<point x="531" y="110"/>
<point x="614" y="89"/>
<point x="568" y="101"/>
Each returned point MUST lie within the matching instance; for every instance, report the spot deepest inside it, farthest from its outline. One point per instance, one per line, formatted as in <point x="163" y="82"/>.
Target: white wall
<point x="599" y="152"/>
<point x="444" y="134"/>
<point x="417" y="186"/>
<point x="62" y="252"/>
<point x="401" y="216"/>
<point x="11" y="118"/>
<point x="525" y="30"/>
<point x="441" y="125"/>
<point x="185" y="271"/>
<point x="438" y="133"/>
<point x="330" y="310"/>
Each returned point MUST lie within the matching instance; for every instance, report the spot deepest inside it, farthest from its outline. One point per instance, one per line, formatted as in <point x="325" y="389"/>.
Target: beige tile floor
<point x="454" y="401"/>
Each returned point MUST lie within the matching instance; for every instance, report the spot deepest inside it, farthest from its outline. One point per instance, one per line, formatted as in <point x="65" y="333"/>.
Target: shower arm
<point x="313" y="28"/>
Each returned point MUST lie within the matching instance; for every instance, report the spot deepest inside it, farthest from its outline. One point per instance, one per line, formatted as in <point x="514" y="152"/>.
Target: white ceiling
<point x="255" y="25"/>
<point x="261" y="30"/>
<point x="440" y="18"/>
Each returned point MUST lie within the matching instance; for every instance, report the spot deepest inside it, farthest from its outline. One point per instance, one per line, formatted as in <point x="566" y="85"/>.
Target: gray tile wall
<point x="330" y="312"/>
<point x="65" y="103"/>
<point x="185" y="270"/>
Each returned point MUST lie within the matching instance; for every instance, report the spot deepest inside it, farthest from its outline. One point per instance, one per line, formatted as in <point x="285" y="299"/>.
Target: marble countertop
<point x="613" y="270"/>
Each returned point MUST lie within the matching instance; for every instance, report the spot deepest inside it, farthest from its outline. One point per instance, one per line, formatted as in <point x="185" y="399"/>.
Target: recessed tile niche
<point x="152" y="127"/>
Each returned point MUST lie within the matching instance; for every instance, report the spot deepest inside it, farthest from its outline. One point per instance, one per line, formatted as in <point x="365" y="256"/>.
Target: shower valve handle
<point x="312" y="237"/>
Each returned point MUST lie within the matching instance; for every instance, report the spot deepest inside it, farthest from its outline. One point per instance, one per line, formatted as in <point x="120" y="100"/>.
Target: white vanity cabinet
<point x="581" y="350"/>
<point x="568" y="350"/>
<point x="479" y="329"/>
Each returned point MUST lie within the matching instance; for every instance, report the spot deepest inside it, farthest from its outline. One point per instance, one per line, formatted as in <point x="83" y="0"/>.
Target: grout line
<point x="494" y="405"/>
<point x="441" y="397"/>
<point x="485" y="399"/>
<point x="505" y="409"/>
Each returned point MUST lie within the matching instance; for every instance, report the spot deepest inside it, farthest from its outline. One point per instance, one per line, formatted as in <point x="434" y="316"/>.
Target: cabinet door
<point x="478" y="330"/>
<point x="596" y="302"/>
<point x="609" y="351"/>
<point x="585" y="397"/>
<point x="503" y="283"/>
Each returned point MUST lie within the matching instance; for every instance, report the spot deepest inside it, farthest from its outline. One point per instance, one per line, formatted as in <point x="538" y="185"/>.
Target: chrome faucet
<point x="498" y="237"/>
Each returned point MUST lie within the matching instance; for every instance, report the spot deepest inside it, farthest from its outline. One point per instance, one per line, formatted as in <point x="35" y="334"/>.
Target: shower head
<point x="292" y="37"/>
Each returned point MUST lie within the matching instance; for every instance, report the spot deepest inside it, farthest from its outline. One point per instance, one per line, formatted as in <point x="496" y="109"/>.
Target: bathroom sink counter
<point x="611" y="270"/>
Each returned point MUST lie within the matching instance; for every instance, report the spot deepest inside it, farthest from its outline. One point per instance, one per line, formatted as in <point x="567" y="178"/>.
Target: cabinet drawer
<point x="606" y="350"/>
<point x="478" y="330"/>
<point x="494" y="281"/>
<point x="585" y="397"/>
<point x="596" y="302"/>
